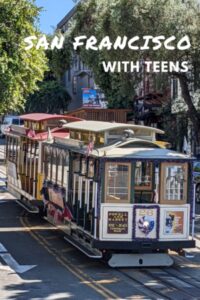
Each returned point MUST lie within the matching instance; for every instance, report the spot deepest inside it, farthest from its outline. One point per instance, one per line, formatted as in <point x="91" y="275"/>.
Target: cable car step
<point x="28" y="207"/>
<point x="92" y="253"/>
<point x="140" y="260"/>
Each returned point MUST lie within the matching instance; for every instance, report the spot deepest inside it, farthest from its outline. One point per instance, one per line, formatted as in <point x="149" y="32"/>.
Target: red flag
<point x="30" y="133"/>
<point x="67" y="213"/>
<point x="90" y="147"/>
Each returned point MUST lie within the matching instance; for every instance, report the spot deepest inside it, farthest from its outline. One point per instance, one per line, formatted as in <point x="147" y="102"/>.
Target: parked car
<point x="197" y="180"/>
<point x="8" y="121"/>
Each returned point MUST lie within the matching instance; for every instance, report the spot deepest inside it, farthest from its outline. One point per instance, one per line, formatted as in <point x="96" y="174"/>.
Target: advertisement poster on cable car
<point x="174" y="223"/>
<point x="146" y="222"/>
<point x="117" y="222"/>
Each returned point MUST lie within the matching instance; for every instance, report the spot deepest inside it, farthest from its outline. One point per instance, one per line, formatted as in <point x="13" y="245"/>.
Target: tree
<point x="51" y="97"/>
<point x="95" y="18"/>
<point x="20" y="70"/>
<point x="139" y="18"/>
<point x="59" y="60"/>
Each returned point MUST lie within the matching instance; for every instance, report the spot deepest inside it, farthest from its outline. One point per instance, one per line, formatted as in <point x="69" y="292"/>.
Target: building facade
<point x="78" y="76"/>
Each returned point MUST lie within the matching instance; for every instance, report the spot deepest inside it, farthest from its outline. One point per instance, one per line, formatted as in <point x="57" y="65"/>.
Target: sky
<point x="53" y="12"/>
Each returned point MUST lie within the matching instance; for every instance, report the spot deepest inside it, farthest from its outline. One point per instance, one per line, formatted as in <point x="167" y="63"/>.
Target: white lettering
<point x="57" y="42"/>
<point x="174" y="66"/>
<point x="78" y="41"/>
<point x="146" y="38"/>
<point x="109" y="66"/>
<point x="90" y="43"/>
<point x="125" y="65"/>
<point x="131" y="41"/>
<point x="42" y="43"/>
<point x="185" y="67"/>
<point x="120" y="43"/>
<point x="184" y="43"/>
<point x="148" y="66"/>
<point x="157" y="40"/>
<point x="28" y="40"/>
<point x="169" y="40"/>
<point x="105" y="43"/>
<point x="135" y="66"/>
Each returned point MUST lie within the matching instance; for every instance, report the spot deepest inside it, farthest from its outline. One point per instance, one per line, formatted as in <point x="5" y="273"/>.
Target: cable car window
<point x="54" y="161"/>
<point x="76" y="163"/>
<point x="15" y="121"/>
<point x="66" y="170"/>
<point x="117" y="182"/>
<point x="47" y="162"/>
<point x="83" y="165"/>
<point x="91" y="166"/>
<point x="173" y="183"/>
<point x="59" y="169"/>
<point x="143" y="175"/>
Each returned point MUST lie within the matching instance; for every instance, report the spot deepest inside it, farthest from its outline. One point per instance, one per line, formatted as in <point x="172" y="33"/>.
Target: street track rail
<point x="86" y="279"/>
<point x="160" y="283"/>
<point x="168" y="283"/>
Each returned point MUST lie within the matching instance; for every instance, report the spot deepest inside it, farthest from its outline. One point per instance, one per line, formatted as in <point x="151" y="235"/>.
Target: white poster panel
<point x="174" y="222"/>
<point x="145" y="222"/>
<point x="116" y="222"/>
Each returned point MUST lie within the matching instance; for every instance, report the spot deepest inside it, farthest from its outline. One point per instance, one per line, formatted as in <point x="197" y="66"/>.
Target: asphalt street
<point x="48" y="279"/>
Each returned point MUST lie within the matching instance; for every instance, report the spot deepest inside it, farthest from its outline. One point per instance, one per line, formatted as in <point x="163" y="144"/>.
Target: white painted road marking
<point x="12" y="263"/>
<point x="2" y="248"/>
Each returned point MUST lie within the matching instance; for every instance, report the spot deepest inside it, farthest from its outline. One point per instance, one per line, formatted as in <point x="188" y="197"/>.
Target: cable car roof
<point x="132" y="148"/>
<point x="141" y="153"/>
<point x="56" y="132"/>
<point x="99" y="126"/>
<point x="41" y="117"/>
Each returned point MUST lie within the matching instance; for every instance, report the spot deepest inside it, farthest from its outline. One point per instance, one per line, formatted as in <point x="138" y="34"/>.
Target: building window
<point x="69" y="75"/>
<point x="174" y="88"/>
<point x="75" y="62"/>
<point x="79" y="64"/>
<point x="74" y="85"/>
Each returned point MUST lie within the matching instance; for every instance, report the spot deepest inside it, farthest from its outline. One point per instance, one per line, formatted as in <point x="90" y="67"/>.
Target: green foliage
<point x="60" y="59"/>
<point x="20" y="70"/>
<point x="50" y="98"/>
<point x="137" y="18"/>
<point x="97" y="18"/>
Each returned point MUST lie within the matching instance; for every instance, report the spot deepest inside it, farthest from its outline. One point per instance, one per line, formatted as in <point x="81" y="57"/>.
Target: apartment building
<point x="79" y="76"/>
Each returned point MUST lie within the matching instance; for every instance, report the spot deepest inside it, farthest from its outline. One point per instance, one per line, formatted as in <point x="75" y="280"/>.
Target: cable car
<point x="117" y="194"/>
<point x="23" y="155"/>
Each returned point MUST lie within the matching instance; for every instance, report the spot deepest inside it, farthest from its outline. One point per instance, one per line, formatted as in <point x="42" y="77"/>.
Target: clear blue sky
<point x="53" y="12"/>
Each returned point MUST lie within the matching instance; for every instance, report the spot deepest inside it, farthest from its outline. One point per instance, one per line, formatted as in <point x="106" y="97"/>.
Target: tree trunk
<point x="192" y="112"/>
